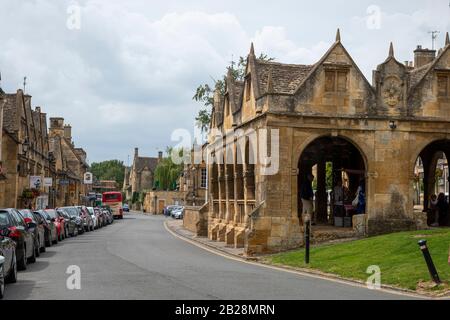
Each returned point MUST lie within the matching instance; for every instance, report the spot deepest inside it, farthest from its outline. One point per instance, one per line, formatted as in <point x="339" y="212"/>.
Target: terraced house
<point x="24" y="153"/>
<point x="325" y="114"/>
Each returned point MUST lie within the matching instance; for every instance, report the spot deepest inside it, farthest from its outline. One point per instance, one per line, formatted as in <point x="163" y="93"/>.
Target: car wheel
<point x="37" y="251"/>
<point x="22" y="264"/>
<point x="2" y="282"/>
<point x="32" y="259"/>
<point x="12" y="277"/>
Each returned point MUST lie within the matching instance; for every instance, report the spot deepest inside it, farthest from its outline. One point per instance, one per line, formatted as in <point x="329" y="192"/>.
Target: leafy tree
<point x="205" y="93"/>
<point x="109" y="170"/>
<point x="167" y="173"/>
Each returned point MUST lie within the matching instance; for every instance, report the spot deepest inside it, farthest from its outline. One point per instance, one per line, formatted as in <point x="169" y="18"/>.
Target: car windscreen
<point x="4" y="221"/>
<point x="51" y="213"/>
<point x="26" y="213"/>
<point x="73" y="212"/>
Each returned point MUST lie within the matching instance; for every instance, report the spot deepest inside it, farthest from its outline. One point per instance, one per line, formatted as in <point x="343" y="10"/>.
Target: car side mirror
<point x="31" y="225"/>
<point x="5" y="232"/>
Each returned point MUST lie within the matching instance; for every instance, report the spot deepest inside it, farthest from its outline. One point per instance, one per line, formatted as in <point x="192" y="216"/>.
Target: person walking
<point x="433" y="214"/>
<point x="307" y="196"/>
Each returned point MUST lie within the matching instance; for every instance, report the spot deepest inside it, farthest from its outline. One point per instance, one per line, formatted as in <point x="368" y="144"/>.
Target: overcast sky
<point x="126" y="77"/>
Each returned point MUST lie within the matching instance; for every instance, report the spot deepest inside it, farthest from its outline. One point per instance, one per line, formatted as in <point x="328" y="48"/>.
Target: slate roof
<point x="142" y="162"/>
<point x="415" y="75"/>
<point x="10" y="122"/>
<point x="286" y="78"/>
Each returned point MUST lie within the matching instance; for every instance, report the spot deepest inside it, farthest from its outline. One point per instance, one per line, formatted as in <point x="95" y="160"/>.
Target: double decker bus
<point x="113" y="200"/>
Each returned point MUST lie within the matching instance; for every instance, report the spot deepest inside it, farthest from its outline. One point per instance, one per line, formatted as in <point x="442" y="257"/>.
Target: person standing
<point x="361" y="196"/>
<point x="307" y="196"/>
<point x="338" y="195"/>
<point x="443" y="210"/>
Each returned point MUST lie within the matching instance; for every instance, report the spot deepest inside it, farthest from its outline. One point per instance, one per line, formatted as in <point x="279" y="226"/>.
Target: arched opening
<point x="431" y="183"/>
<point x="339" y="172"/>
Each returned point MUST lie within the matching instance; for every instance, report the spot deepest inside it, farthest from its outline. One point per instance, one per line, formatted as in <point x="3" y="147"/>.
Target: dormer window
<point x="336" y="79"/>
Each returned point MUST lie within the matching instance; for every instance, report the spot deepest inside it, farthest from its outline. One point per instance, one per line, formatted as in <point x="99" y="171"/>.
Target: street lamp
<point x="25" y="146"/>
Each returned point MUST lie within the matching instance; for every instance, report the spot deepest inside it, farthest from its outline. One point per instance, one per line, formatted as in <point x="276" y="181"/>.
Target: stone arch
<point x="360" y="169"/>
<point x="430" y="154"/>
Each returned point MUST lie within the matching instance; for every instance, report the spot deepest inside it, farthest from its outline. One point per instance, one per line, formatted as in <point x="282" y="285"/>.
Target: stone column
<point x="321" y="209"/>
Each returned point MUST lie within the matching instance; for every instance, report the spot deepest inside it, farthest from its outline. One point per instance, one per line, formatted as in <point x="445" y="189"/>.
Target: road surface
<point x="137" y="258"/>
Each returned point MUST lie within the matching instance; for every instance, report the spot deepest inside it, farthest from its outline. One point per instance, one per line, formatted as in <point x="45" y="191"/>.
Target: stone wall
<point x="195" y="219"/>
<point x="155" y="199"/>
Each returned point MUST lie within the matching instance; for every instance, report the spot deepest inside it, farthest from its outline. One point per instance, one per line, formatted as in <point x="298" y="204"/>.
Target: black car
<point x="8" y="268"/>
<point x="38" y="231"/>
<point x="74" y="214"/>
<point x="14" y="227"/>
<point x="51" y="234"/>
<point x="70" y="224"/>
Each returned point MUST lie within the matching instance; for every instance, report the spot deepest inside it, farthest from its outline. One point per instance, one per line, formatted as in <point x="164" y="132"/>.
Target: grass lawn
<point x="398" y="256"/>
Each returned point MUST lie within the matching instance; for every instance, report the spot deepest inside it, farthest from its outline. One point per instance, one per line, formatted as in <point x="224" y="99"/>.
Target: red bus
<point x="114" y="201"/>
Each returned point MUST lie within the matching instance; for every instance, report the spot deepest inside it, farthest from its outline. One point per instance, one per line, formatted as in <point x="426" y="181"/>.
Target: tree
<point x="109" y="170"/>
<point x="205" y="93"/>
<point x="167" y="173"/>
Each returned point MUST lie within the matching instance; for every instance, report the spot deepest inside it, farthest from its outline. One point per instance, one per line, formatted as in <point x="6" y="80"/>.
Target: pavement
<point x="137" y="258"/>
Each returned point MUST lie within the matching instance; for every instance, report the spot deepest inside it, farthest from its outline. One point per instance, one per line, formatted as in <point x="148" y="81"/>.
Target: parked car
<point x="100" y="217"/>
<point x="168" y="210"/>
<point x="40" y="221"/>
<point x="8" y="262"/>
<point x="14" y="227"/>
<point x="126" y="208"/>
<point x="71" y="225"/>
<point x="87" y="219"/>
<point x="51" y="234"/>
<point x="74" y="214"/>
<point x="93" y="216"/>
<point x="38" y="231"/>
<point x="177" y="213"/>
<point x="57" y="222"/>
<point x="109" y="218"/>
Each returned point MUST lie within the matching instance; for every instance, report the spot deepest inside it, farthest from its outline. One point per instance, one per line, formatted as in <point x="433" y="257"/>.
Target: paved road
<point x="136" y="258"/>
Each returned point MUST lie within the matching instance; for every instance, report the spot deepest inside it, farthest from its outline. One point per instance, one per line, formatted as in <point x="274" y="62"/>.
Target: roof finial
<point x="252" y="50"/>
<point x="338" y="35"/>
<point x="391" y="50"/>
<point x="447" y="39"/>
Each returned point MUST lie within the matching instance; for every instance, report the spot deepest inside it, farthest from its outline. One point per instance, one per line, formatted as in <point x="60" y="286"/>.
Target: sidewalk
<point x="176" y="226"/>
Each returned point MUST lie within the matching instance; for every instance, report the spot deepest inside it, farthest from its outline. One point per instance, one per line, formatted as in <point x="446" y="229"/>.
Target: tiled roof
<point x="143" y="162"/>
<point x="416" y="75"/>
<point x="10" y="122"/>
<point x="286" y="78"/>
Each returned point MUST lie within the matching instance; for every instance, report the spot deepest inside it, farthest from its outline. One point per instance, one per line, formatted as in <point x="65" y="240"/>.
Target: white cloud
<point x="127" y="77"/>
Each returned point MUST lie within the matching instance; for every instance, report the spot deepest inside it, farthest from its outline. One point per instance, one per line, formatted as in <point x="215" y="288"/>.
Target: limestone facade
<point x="27" y="150"/>
<point x="324" y="112"/>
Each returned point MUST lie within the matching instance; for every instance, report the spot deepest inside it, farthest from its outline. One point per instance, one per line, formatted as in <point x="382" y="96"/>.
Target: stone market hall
<point x="327" y="115"/>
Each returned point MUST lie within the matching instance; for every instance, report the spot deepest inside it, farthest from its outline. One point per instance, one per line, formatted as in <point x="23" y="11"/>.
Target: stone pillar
<point x="321" y="209"/>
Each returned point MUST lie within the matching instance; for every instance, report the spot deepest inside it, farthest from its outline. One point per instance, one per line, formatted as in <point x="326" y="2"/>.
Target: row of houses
<point x="39" y="165"/>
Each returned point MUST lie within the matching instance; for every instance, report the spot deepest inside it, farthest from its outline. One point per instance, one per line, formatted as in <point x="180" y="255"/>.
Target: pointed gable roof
<point x="418" y="75"/>
<point x="316" y="66"/>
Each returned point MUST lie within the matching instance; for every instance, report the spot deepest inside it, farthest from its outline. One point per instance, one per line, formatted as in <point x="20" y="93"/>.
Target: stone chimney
<point x="160" y="155"/>
<point x="56" y="127"/>
<point x="423" y="56"/>
<point x="68" y="132"/>
<point x="136" y="152"/>
<point x="38" y="109"/>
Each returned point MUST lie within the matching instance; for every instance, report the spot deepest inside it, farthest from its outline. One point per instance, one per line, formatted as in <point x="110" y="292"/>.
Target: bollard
<point x="307" y="239"/>
<point x="431" y="268"/>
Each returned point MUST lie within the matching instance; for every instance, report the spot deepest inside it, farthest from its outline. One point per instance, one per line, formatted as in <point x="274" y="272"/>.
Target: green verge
<point x="398" y="256"/>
